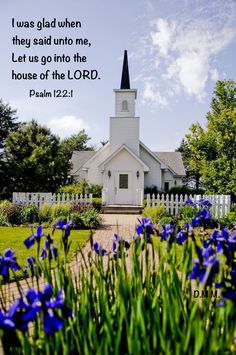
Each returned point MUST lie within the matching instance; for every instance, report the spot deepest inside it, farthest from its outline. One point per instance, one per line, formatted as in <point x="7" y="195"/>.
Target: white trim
<point x="101" y="166"/>
<point x="91" y="159"/>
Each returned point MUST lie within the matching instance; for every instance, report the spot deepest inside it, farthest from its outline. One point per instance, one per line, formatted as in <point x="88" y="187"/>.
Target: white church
<point x="125" y="166"/>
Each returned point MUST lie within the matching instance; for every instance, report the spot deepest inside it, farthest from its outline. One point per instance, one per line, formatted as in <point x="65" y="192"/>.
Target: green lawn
<point x="13" y="237"/>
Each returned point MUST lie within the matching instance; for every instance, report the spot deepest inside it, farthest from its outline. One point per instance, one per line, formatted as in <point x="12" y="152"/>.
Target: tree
<point x="76" y="142"/>
<point x="8" y="122"/>
<point x="193" y="176"/>
<point x="35" y="160"/>
<point x="213" y="148"/>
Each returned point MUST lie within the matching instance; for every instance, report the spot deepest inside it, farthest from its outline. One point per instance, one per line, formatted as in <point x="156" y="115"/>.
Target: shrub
<point x="30" y="213"/>
<point x="155" y="213"/>
<point x="3" y="219"/>
<point x="168" y="220"/>
<point x="12" y="211"/>
<point x="97" y="203"/>
<point x="95" y="189"/>
<point x="63" y="209"/>
<point x="77" y="219"/>
<point x="229" y="220"/>
<point x="185" y="190"/>
<point x="70" y="189"/>
<point x="45" y="213"/>
<point x="187" y="212"/>
<point x="91" y="218"/>
<point x="151" y="190"/>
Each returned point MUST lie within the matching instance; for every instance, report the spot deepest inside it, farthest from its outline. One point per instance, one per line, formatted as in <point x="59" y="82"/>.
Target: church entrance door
<point x="123" y="188"/>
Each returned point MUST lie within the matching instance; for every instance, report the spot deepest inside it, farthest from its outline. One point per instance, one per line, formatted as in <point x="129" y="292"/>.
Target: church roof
<point x="125" y="84"/>
<point x="79" y="158"/>
<point x="173" y="160"/>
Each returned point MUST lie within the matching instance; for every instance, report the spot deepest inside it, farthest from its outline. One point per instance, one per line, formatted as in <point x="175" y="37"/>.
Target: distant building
<point x="125" y="166"/>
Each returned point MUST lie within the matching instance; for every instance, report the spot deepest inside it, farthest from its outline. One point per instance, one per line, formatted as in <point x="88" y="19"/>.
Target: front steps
<point x="122" y="209"/>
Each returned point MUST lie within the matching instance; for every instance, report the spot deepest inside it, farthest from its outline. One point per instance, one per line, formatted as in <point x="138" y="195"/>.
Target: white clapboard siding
<point x="172" y="204"/>
<point x="40" y="198"/>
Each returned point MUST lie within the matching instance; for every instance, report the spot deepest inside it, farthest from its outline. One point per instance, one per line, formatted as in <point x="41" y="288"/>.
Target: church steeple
<point x="125" y="85"/>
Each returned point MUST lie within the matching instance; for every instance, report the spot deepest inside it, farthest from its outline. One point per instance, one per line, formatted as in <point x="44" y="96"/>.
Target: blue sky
<point x="177" y="50"/>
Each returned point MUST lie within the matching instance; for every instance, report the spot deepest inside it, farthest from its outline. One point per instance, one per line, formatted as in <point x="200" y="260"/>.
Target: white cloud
<point x="162" y="35"/>
<point x="152" y="95"/>
<point x="186" y="48"/>
<point x="65" y="126"/>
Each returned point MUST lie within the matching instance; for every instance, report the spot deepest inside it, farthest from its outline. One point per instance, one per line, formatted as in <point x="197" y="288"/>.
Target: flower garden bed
<point x="177" y="297"/>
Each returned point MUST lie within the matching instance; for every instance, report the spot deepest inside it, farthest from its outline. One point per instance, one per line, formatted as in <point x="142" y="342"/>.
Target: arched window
<point x="124" y="105"/>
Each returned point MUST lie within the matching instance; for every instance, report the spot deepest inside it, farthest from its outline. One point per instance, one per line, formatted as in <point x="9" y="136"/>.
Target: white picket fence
<point x="40" y="198"/>
<point x="172" y="204"/>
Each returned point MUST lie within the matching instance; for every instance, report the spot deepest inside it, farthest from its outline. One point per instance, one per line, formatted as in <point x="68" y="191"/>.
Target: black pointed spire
<point x="125" y="73"/>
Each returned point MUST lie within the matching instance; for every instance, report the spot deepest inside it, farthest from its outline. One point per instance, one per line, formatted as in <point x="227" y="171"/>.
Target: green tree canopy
<point x="35" y="160"/>
<point x="213" y="148"/>
<point x="75" y="142"/>
<point x="8" y="122"/>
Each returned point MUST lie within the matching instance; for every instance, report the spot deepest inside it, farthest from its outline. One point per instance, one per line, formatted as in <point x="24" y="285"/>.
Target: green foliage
<point x="35" y="160"/>
<point x="29" y="214"/>
<point x="8" y="122"/>
<point x="59" y="210"/>
<point x="155" y="213"/>
<point x="77" y="219"/>
<point x="97" y="203"/>
<point x="45" y="213"/>
<point x="75" y="142"/>
<point x="3" y="219"/>
<point x="95" y="189"/>
<point x="213" y="148"/>
<point x="187" y="212"/>
<point x="12" y="211"/>
<point x="70" y="189"/>
<point x="146" y="309"/>
<point x="91" y="218"/>
<point x="185" y="190"/>
<point x="82" y="188"/>
<point x="151" y="190"/>
<point x="229" y="220"/>
<point x="167" y="220"/>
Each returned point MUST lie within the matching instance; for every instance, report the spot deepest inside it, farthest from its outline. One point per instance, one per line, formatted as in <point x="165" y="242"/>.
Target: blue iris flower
<point x="7" y="262"/>
<point x="99" y="250"/>
<point x="144" y="226"/>
<point x="167" y="230"/>
<point x="29" y="242"/>
<point x="65" y="227"/>
<point x="6" y="322"/>
<point x="37" y="303"/>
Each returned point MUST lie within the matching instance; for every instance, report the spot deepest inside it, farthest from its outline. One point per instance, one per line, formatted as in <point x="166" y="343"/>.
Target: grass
<point x="13" y="237"/>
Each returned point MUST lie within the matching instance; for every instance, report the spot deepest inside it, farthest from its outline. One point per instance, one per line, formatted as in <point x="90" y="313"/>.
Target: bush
<point x="185" y="190"/>
<point x="12" y="211"/>
<point x="30" y="213"/>
<point x="45" y="213"/>
<point x="97" y="203"/>
<point x="155" y="213"/>
<point x="229" y="220"/>
<point x="187" y="212"/>
<point x="70" y="189"/>
<point x="168" y="220"/>
<point x="77" y="220"/>
<point x="91" y="218"/>
<point x="95" y="189"/>
<point x="63" y="209"/>
<point x="3" y="219"/>
<point x="151" y="190"/>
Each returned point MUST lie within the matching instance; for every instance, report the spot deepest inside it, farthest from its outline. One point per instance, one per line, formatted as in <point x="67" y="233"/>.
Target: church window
<point x="123" y="181"/>
<point x="125" y="105"/>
